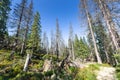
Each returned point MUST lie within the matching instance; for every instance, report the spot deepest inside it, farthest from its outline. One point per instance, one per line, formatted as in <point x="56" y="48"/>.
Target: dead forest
<point x="28" y="53"/>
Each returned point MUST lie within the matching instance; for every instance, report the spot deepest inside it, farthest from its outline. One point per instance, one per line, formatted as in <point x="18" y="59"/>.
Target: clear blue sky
<point x="65" y="10"/>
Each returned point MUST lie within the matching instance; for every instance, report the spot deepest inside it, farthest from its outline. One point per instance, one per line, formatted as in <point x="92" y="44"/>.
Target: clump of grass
<point x="85" y="74"/>
<point x="88" y="73"/>
<point x="105" y="65"/>
<point x="94" y="67"/>
<point x="118" y="71"/>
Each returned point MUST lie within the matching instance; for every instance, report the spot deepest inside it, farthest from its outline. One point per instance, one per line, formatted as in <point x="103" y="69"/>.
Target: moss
<point x="1" y="78"/>
<point x="5" y="51"/>
<point x="5" y="63"/>
<point x="37" y="64"/>
<point x="28" y="76"/>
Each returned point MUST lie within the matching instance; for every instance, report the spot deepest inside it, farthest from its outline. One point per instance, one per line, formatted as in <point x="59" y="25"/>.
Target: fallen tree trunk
<point x="63" y="62"/>
<point x="27" y="62"/>
<point x="47" y="65"/>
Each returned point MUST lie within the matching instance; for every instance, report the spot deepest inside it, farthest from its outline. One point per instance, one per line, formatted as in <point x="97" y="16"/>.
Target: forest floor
<point x="13" y="69"/>
<point x="104" y="72"/>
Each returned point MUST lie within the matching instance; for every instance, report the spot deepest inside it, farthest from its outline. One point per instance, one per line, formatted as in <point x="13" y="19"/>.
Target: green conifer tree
<point x="34" y="43"/>
<point x="4" y="9"/>
<point x="81" y="48"/>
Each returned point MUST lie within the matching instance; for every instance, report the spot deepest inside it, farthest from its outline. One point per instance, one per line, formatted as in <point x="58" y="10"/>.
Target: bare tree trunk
<point x="91" y="31"/>
<point x="57" y="51"/>
<point x="47" y="65"/>
<point x="23" y="48"/>
<point x="73" y="55"/>
<point x="107" y="57"/>
<point x="109" y="22"/>
<point x="26" y="63"/>
<point x="94" y="42"/>
<point x="19" y="24"/>
<point x="70" y="48"/>
<point x="57" y="39"/>
<point x="24" y="41"/>
<point x="71" y="37"/>
<point x="28" y="19"/>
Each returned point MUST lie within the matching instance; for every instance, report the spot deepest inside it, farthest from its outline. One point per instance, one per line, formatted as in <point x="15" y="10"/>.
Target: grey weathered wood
<point x="26" y="62"/>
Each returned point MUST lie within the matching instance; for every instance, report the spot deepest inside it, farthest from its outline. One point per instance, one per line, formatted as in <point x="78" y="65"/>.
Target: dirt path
<point x="106" y="73"/>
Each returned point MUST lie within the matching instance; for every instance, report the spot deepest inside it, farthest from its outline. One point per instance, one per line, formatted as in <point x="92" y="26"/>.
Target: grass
<point x="118" y="71"/>
<point x="85" y="74"/>
<point x="13" y="69"/>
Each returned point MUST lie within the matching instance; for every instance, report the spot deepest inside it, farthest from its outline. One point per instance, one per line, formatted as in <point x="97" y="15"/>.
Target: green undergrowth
<point x="13" y="69"/>
<point x="87" y="73"/>
<point x="118" y="71"/>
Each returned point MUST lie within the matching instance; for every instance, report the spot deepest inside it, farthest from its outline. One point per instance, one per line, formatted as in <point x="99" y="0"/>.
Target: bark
<point x="57" y="51"/>
<point x="24" y="39"/>
<point x="71" y="37"/>
<point x="71" y="49"/>
<point x="57" y="38"/>
<point x="26" y="63"/>
<point x="18" y="28"/>
<point x="91" y="31"/>
<point x="110" y="24"/>
<point x="63" y="63"/>
<point x="73" y="55"/>
<point x="107" y="56"/>
<point x="27" y="27"/>
<point x="19" y="23"/>
<point x="52" y="49"/>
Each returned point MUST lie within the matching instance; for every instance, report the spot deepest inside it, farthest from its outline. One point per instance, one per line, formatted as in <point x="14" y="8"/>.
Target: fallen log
<point x="26" y="63"/>
<point x="47" y="65"/>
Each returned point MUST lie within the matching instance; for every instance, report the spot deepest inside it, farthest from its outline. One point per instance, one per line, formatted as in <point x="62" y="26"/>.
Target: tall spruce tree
<point x="81" y="48"/>
<point x="4" y="10"/>
<point x="35" y="36"/>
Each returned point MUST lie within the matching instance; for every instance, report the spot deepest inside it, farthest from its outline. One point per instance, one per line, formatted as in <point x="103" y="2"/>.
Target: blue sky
<point x="65" y="10"/>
